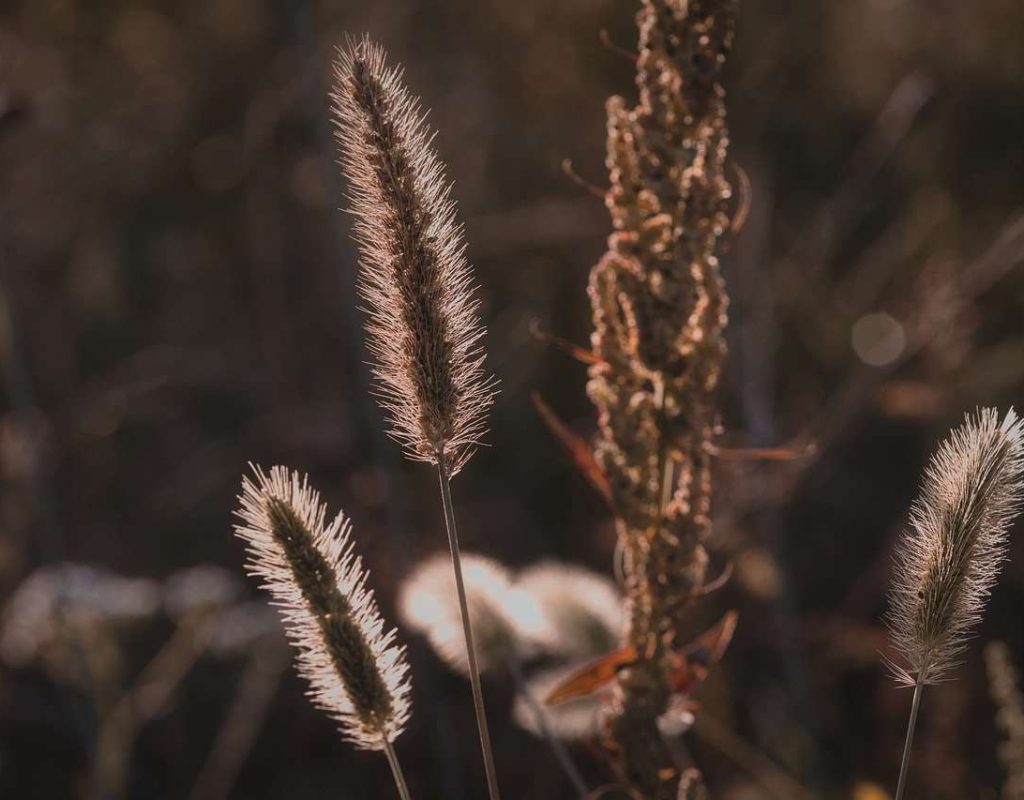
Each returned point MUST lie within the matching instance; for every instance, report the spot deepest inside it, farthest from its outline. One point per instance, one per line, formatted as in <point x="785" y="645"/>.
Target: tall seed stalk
<point x="467" y="628"/>
<point x="423" y="326"/>
<point x="659" y="311"/>
<point x="509" y="619"/>
<point x="356" y="671"/>
<point x="949" y="558"/>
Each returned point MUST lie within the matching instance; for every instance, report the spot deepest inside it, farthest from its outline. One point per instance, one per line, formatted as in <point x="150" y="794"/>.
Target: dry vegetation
<point x="700" y="585"/>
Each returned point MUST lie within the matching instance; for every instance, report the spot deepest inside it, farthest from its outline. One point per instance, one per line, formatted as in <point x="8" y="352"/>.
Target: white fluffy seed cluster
<point x="499" y="613"/>
<point x="56" y="598"/>
<point x="563" y="613"/>
<point x="583" y="612"/>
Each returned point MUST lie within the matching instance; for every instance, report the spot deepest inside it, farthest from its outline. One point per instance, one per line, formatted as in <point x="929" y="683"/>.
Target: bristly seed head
<point x="356" y="671"/>
<point x="424" y="328"/>
<point x="950" y="557"/>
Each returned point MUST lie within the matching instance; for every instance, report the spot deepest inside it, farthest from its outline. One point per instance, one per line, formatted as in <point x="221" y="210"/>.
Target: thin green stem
<point x="467" y="628"/>
<point x="396" y="770"/>
<point x="910" y="739"/>
<point x="557" y="746"/>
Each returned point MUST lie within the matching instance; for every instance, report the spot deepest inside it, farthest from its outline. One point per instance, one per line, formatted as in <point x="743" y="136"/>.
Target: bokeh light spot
<point x="878" y="339"/>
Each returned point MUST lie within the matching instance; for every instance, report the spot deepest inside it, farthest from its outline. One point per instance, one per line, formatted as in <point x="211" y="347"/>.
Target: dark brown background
<point x="177" y="299"/>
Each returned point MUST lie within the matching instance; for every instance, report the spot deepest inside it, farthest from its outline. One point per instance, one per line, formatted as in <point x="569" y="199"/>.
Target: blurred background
<point x="177" y="299"/>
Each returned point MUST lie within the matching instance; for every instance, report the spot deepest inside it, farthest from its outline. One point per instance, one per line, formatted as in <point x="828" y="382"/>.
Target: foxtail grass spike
<point x="357" y="672"/>
<point x="424" y="328"/>
<point x="949" y="558"/>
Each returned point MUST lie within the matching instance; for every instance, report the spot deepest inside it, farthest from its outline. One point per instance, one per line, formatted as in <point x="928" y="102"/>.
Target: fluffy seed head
<point x="579" y="718"/>
<point x="67" y="602"/>
<point x="582" y="612"/>
<point x="498" y="611"/>
<point x="356" y="672"/>
<point x="424" y="329"/>
<point x="950" y="556"/>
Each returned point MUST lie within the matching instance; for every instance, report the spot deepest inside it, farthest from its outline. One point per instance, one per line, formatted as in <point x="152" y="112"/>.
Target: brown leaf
<point x="578" y="449"/>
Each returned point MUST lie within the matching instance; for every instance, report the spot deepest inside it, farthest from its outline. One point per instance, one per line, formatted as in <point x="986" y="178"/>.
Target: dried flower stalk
<point x="356" y="671"/>
<point x="659" y="308"/>
<point x="691" y="787"/>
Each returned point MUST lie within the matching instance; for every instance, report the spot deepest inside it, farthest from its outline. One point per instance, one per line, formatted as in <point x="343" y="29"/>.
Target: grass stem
<point x="557" y="745"/>
<point x="911" y="725"/>
<point x="396" y="770"/>
<point x="467" y="628"/>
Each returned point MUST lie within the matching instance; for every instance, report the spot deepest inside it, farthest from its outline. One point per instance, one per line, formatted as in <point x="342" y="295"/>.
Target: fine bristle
<point x="950" y="556"/>
<point x="424" y="328"/>
<point x="356" y="671"/>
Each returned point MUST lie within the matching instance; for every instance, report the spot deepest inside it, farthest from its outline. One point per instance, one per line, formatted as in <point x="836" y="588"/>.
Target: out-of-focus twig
<point x="145" y="700"/>
<point x="48" y="541"/>
<point x="839" y="213"/>
<point x="242" y="722"/>
<point x="758" y="765"/>
<point x="1004" y="254"/>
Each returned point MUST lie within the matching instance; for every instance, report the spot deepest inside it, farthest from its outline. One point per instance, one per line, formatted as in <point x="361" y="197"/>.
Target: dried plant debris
<point x="659" y="310"/>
